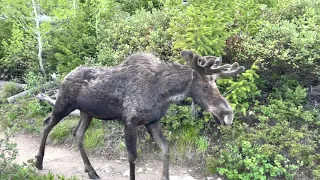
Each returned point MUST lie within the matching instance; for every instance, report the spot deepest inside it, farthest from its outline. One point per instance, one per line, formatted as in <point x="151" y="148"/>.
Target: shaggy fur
<point x="137" y="92"/>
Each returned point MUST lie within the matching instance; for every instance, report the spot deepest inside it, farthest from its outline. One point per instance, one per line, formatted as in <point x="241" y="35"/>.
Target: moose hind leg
<point x="75" y="131"/>
<point x="156" y="133"/>
<point x="57" y="114"/>
<point x="85" y="121"/>
<point x="131" y="144"/>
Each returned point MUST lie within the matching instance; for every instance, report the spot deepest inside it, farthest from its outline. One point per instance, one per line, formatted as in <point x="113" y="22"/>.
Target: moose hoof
<point x="164" y="178"/>
<point x="93" y="175"/>
<point x="38" y="162"/>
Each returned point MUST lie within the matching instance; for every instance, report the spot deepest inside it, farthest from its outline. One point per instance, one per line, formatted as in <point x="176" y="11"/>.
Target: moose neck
<point x="177" y="84"/>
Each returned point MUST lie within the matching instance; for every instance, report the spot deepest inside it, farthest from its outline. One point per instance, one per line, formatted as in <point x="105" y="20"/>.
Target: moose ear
<point x="187" y="55"/>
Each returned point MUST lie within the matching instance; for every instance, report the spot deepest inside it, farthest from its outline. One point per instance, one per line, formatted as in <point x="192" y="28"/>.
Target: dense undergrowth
<point x="275" y="134"/>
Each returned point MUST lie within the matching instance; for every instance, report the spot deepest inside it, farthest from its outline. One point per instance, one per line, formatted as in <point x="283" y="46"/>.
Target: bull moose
<point x="139" y="92"/>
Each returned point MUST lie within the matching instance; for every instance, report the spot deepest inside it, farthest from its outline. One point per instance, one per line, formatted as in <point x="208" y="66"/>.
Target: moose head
<point x="205" y="92"/>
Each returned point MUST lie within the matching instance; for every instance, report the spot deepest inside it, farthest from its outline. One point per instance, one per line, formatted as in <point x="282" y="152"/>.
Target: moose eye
<point x="206" y="86"/>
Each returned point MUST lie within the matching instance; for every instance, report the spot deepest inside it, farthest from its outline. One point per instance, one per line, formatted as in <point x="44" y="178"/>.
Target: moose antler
<point x="211" y="65"/>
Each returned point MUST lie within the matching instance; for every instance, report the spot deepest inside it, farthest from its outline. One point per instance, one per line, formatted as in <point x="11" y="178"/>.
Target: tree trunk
<point x="38" y="36"/>
<point x="47" y="85"/>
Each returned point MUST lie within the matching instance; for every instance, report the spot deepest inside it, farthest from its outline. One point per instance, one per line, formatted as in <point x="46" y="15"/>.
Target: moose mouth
<point x="225" y="120"/>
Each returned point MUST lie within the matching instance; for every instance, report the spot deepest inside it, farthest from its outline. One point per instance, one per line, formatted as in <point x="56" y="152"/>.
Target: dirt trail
<point x="67" y="161"/>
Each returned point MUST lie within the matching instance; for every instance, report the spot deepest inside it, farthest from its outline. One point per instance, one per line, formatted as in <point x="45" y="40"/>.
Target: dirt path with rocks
<point x="64" y="160"/>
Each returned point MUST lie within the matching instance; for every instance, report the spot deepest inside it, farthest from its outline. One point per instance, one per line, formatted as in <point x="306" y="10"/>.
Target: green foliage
<point x="16" y="60"/>
<point x="293" y="9"/>
<point x="286" y="47"/>
<point x="26" y="115"/>
<point x="131" y="6"/>
<point x="33" y="79"/>
<point x="180" y="116"/>
<point x="62" y="132"/>
<point x="74" y="41"/>
<point x="10" y="89"/>
<point x="316" y="172"/>
<point x="5" y="33"/>
<point x="185" y="131"/>
<point x="248" y="15"/>
<point x="289" y="89"/>
<point x="275" y="132"/>
<point x="142" y="31"/>
<point x="201" y="26"/>
<point x="8" y="153"/>
<point x="276" y="145"/>
<point x="94" y="137"/>
<point x="247" y="161"/>
<point x="241" y="93"/>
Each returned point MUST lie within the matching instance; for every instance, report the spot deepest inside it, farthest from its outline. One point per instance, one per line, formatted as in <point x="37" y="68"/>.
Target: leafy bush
<point x="242" y="92"/>
<point x="23" y="56"/>
<point x="10" y="89"/>
<point x="25" y="115"/>
<point x="187" y="132"/>
<point x="94" y="137"/>
<point x="276" y="144"/>
<point x="142" y="31"/>
<point x="286" y="48"/>
<point x="62" y="132"/>
<point x="131" y="6"/>
<point x="201" y="26"/>
<point x="247" y="161"/>
<point x="33" y="79"/>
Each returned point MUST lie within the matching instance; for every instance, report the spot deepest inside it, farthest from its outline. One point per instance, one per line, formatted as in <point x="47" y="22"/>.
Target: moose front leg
<point x="156" y="133"/>
<point x="131" y="144"/>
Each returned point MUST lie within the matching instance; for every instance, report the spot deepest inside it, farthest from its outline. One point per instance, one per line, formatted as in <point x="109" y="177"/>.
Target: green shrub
<point x="280" y="140"/>
<point x="95" y="135"/>
<point x="248" y="161"/>
<point x="142" y="31"/>
<point x="19" y="52"/>
<point x="286" y="48"/>
<point x="187" y="132"/>
<point x="33" y="79"/>
<point x="131" y="6"/>
<point x="241" y="93"/>
<point x="63" y="132"/>
<point x="26" y="114"/>
<point x="10" y="89"/>
<point x="201" y="26"/>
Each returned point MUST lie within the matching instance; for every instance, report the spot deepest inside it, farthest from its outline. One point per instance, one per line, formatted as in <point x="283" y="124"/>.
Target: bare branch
<point x="46" y="98"/>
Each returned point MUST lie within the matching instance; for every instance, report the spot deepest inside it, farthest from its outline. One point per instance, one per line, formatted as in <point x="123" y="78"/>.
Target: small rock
<point x="123" y="158"/>
<point x="182" y="178"/>
<point x="117" y="161"/>
<point x="219" y="179"/>
<point x="210" y="178"/>
<point x="140" y="170"/>
<point x="149" y="169"/>
<point x="127" y="173"/>
<point x="107" y="169"/>
<point x="188" y="178"/>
